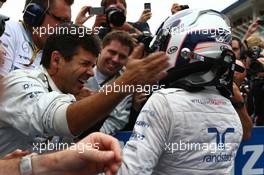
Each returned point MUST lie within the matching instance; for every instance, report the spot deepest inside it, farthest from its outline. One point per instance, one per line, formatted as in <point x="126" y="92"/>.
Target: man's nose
<point x="90" y="72"/>
<point x="115" y="58"/>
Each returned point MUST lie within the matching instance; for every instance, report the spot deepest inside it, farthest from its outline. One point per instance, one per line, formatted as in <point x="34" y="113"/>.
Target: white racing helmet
<point x="198" y="45"/>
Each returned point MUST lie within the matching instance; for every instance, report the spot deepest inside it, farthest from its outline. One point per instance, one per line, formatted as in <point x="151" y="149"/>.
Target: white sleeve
<point x="9" y="43"/>
<point x="147" y="142"/>
<point x="118" y="118"/>
<point x="28" y="107"/>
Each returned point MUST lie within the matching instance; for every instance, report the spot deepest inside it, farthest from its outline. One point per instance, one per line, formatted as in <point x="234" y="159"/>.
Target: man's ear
<point x="55" y="62"/>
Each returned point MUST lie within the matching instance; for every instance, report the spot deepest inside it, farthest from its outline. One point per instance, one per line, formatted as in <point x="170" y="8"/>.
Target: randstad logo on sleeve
<point x="221" y="146"/>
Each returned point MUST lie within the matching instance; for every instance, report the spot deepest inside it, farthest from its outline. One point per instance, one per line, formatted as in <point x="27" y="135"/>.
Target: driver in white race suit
<point x="191" y="127"/>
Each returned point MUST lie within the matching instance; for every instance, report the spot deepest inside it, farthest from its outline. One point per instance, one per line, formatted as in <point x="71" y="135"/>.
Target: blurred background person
<point x="239" y="77"/>
<point x="176" y="8"/>
<point x="115" y="19"/>
<point x="238" y="48"/>
<point x="3" y="20"/>
<point x="255" y="67"/>
<point x="252" y="28"/>
<point x="142" y="24"/>
<point x="116" y="48"/>
<point x="23" y="40"/>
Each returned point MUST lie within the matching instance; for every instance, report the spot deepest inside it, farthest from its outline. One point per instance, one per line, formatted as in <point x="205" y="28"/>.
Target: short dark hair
<point x="107" y="3"/>
<point x="68" y="42"/>
<point x="121" y="36"/>
<point x="44" y="3"/>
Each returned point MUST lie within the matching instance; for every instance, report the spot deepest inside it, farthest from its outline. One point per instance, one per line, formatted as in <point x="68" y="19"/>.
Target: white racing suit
<point x="182" y="133"/>
<point x="18" y="48"/>
<point x="32" y="106"/>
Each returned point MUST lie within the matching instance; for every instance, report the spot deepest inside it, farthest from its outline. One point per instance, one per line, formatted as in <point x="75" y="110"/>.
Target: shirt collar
<point x="100" y="78"/>
<point x="49" y="79"/>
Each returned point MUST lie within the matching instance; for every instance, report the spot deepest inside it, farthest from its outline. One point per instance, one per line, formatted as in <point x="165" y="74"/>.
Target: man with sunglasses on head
<point x="24" y="40"/>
